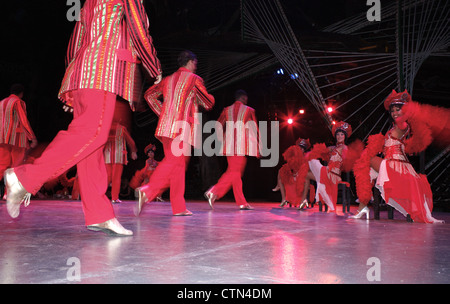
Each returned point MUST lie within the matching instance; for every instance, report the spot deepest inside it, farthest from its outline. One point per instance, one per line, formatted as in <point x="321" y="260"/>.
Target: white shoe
<point x="142" y="199"/>
<point x="16" y="193"/>
<point x="246" y="207"/>
<point x="112" y="227"/>
<point x="303" y="204"/>
<point x="361" y="213"/>
<point x="184" y="213"/>
<point x="284" y="203"/>
<point x="211" y="197"/>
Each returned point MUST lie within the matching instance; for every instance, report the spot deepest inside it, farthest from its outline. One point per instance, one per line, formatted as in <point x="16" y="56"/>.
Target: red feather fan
<point x="361" y="168"/>
<point x="294" y="158"/>
<point x="353" y="153"/>
<point x="319" y="151"/>
<point x="431" y="123"/>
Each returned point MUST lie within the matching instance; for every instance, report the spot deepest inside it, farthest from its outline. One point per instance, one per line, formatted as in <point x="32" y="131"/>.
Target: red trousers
<point x="232" y="178"/>
<point x="82" y="144"/>
<point x="170" y="173"/>
<point x="10" y="156"/>
<point x="114" y="172"/>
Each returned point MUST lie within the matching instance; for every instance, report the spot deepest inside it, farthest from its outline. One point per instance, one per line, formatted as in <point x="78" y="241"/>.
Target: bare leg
<point x="280" y="187"/>
<point x="308" y="179"/>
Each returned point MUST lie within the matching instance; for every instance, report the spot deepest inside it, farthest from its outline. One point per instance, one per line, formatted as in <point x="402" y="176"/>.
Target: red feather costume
<point x="338" y="158"/>
<point x="399" y="184"/>
<point x="293" y="173"/>
<point x="289" y="172"/>
<point x="328" y="177"/>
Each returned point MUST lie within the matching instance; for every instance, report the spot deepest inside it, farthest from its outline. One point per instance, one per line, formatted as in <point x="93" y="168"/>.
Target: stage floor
<point x="49" y="243"/>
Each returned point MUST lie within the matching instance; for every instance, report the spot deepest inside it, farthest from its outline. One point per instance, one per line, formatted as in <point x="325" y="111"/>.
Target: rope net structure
<point x="265" y="22"/>
<point x="356" y="82"/>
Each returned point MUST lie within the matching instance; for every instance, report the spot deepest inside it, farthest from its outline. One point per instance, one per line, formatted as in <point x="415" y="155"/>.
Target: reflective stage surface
<point x="49" y="243"/>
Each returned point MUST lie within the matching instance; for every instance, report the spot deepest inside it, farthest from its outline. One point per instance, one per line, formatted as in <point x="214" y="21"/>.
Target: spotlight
<point x="301" y="111"/>
<point x="294" y="76"/>
<point x="290" y="121"/>
<point x="330" y="109"/>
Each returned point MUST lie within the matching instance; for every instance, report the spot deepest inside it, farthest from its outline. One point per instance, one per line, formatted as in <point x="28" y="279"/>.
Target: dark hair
<point x="17" y="88"/>
<point x="185" y="56"/>
<point x="239" y="93"/>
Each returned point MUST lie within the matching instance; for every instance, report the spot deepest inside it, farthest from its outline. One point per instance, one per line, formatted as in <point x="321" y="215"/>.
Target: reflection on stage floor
<point x="49" y="243"/>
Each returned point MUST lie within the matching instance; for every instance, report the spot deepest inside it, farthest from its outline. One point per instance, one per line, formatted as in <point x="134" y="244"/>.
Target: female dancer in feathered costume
<point x="327" y="177"/>
<point x="288" y="173"/>
<point x="400" y="185"/>
<point x="142" y="176"/>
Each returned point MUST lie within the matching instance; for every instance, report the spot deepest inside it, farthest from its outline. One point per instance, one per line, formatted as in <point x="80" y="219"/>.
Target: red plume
<point x="422" y="117"/>
<point x="361" y="168"/>
<point x="353" y="153"/>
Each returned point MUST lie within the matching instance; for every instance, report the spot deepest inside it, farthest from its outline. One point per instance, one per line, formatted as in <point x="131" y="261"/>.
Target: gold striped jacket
<point x="15" y="128"/>
<point x="115" y="150"/>
<point x="108" y="45"/>
<point x="184" y="93"/>
<point x="241" y="132"/>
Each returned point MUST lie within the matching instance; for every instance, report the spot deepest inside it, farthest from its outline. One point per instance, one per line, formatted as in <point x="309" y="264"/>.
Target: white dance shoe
<point x="141" y="201"/>
<point x="303" y="204"/>
<point x="364" y="211"/>
<point x="111" y="227"/>
<point x="211" y="197"/>
<point x="16" y="193"/>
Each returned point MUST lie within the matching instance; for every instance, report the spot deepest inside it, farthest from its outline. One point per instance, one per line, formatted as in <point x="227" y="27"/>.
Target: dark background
<point x="34" y="37"/>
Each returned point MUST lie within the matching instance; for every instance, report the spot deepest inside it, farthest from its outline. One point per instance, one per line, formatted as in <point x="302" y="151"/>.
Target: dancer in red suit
<point x="116" y="157"/>
<point x="239" y="142"/>
<point x="400" y="185"/>
<point x="105" y="51"/>
<point x="15" y="130"/>
<point x="184" y="93"/>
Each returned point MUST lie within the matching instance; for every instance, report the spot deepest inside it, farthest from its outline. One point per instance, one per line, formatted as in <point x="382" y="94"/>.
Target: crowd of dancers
<point x="382" y="163"/>
<point x="103" y="64"/>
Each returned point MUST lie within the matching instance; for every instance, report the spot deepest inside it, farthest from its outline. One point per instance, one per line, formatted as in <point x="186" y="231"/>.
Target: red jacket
<point x="106" y="49"/>
<point x="115" y="150"/>
<point x="184" y="92"/>
<point x="244" y="139"/>
<point x="15" y="128"/>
